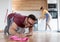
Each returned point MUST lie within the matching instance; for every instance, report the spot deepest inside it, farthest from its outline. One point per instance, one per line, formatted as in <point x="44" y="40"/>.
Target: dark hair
<point x="41" y="8"/>
<point x="32" y="17"/>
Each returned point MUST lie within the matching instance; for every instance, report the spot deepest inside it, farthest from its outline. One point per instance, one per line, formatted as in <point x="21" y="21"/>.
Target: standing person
<point x="16" y="20"/>
<point x="45" y="15"/>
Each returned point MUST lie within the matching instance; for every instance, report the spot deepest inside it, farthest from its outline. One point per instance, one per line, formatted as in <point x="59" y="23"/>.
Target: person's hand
<point x="28" y="34"/>
<point x="22" y="35"/>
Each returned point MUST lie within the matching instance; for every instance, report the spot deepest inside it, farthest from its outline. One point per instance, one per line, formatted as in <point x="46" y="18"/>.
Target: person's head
<point x="31" y="19"/>
<point x="41" y="8"/>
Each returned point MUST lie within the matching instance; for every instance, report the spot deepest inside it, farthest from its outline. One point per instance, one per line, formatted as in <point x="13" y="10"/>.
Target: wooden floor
<point x="37" y="37"/>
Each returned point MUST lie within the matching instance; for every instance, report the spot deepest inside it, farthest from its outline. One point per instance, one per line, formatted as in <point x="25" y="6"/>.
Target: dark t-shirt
<point x="18" y="19"/>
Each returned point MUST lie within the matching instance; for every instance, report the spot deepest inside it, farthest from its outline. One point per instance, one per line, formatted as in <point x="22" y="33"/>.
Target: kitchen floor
<point x="37" y="37"/>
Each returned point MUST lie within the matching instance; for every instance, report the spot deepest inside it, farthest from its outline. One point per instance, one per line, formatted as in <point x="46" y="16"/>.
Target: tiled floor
<point x="37" y="37"/>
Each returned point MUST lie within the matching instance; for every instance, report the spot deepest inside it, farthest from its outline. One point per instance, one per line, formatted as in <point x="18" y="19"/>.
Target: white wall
<point x="58" y="15"/>
<point x="4" y="5"/>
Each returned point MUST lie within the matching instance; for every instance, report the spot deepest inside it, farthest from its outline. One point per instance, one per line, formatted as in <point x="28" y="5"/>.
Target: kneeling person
<point x="22" y="22"/>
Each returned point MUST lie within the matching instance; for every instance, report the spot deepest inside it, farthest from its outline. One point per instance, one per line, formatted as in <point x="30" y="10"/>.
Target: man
<point x="16" y="20"/>
<point x="45" y="15"/>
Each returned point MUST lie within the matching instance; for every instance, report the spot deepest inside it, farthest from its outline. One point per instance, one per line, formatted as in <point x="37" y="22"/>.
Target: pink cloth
<point x="19" y="39"/>
<point x="15" y="38"/>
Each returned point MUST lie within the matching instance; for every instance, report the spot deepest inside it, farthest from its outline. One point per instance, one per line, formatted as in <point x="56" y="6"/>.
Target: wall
<point x="4" y="5"/>
<point x="58" y="15"/>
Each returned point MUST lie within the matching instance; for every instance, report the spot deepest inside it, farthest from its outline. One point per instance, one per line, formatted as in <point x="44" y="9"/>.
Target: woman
<point x="45" y="15"/>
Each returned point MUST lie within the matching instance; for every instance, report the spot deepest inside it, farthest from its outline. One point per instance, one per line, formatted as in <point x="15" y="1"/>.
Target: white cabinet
<point x="51" y="1"/>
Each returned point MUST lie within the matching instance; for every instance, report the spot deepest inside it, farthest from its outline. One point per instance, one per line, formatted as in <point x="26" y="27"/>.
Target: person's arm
<point x="30" y="31"/>
<point x="12" y="29"/>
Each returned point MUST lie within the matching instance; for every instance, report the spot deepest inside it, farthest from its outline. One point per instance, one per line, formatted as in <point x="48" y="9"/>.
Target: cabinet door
<point x="28" y="4"/>
<point x="54" y="14"/>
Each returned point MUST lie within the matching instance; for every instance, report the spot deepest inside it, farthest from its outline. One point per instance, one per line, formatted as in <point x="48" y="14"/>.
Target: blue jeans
<point x="47" y="17"/>
<point x="9" y="21"/>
